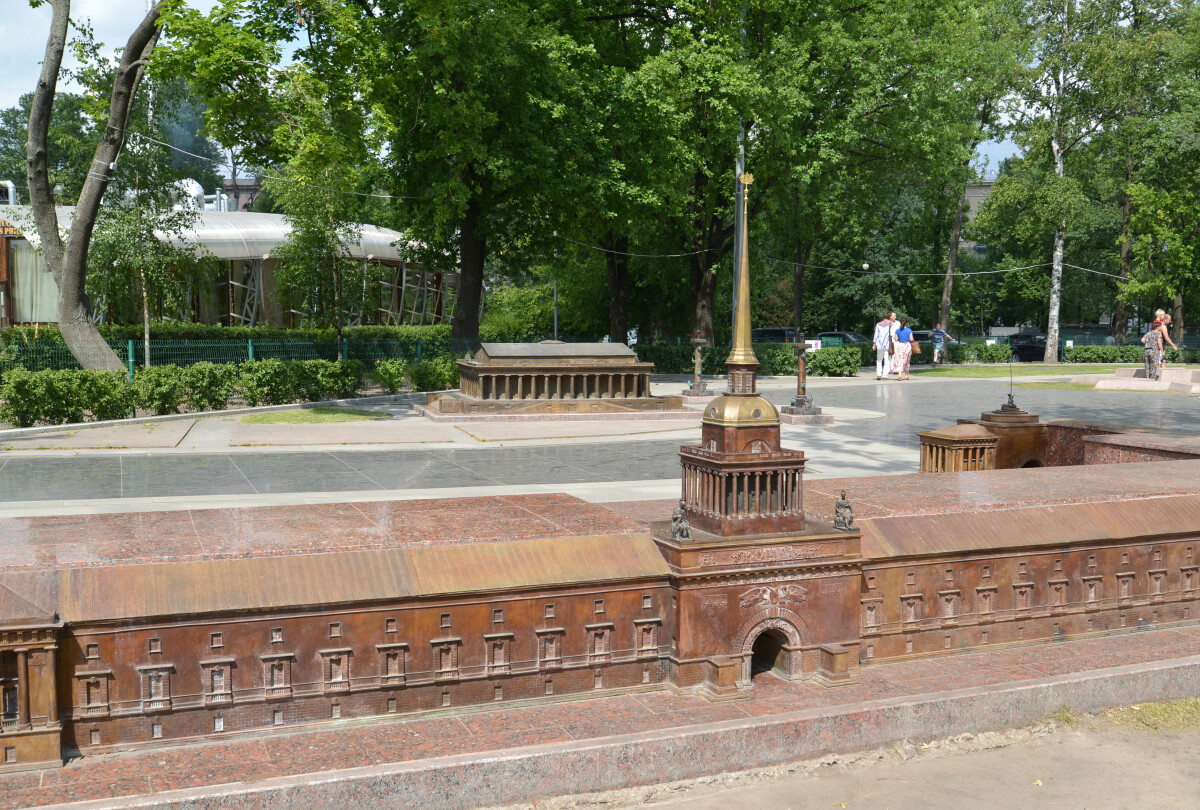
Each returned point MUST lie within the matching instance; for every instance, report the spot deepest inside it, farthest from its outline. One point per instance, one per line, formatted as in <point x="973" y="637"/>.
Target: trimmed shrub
<point x="837" y="361"/>
<point x="209" y="386"/>
<point x="434" y="375"/>
<point x="107" y="394"/>
<point x="391" y="374"/>
<point x="266" y="382"/>
<point x="996" y="353"/>
<point x="306" y="380"/>
<point x="667" y="358"/>
<point x="775" y="359"/>
<point x="340" y="379"/>
<point x="1133" y="353"/>
<point x="159" y="389"/>
<point x="30" y="397"/>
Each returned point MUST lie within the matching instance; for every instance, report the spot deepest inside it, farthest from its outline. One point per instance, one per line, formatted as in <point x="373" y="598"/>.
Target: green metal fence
<point x="37" y="355"/>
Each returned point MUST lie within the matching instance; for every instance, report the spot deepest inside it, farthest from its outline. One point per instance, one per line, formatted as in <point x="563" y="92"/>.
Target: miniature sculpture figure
<point x="843" y="515"/>
<point x="680" y="528"/>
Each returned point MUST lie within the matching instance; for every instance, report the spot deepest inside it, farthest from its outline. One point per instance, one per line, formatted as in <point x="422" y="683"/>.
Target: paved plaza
<point x="185" y="462"/>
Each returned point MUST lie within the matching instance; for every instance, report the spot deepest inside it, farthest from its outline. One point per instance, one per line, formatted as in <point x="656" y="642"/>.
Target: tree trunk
<point x="616" y="260"/>
<point x="1056" y="265"/>
<point x="951" y="263"/>
<point x="1120" y="314"/>
<point x="1177" y="320"/>
<point x="801" y="250"/>
<point x="68" y="264"/>
<point x="703" y="282"/>
<point x="472" y="250"/>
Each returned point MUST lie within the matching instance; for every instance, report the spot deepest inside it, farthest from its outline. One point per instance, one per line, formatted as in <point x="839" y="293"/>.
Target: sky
<point x="23" y="32"/>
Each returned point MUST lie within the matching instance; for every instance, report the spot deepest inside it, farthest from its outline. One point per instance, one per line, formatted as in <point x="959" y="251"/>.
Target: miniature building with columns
<point x="552" y="378"/>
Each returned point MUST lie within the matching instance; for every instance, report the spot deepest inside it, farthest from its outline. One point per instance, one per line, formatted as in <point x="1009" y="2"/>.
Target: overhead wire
<point x="224" y="164"/>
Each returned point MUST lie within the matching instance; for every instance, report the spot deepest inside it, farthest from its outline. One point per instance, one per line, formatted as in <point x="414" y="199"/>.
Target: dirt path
<point x="1139" y="757"/>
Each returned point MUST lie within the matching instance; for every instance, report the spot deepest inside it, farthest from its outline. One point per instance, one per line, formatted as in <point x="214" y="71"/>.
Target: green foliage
<point x="340" y="380"/>
<point x="1133" y="353"/>
<point x="266" y="382"/>
<point x="209" y="386"/>
<point x="391" y="374"/>
<point x="106" y="394"/>
<point x="842" y="361"/>
<point x="159" y="389"/>
<point x="985" y="353"/>
<point x="56" y="397"/>
<point x="30" y="397"/>
<point x="438" y="374"/>
<point x="519" y="313"/>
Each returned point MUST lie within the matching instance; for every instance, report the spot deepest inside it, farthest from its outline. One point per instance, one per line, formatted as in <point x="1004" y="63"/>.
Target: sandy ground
<point x="1092" y="764"/>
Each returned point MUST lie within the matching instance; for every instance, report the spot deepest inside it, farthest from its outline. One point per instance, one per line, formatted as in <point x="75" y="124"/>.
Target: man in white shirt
<point x="885" y="333"/>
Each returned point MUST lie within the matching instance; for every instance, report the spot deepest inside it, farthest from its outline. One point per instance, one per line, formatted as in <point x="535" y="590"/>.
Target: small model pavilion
<point x="552" y="377"/>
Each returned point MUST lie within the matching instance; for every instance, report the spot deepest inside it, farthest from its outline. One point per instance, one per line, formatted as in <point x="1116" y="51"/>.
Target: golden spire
<point x="743" y="347"/>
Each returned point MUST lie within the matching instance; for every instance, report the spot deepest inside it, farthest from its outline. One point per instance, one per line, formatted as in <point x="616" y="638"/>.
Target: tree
<point x="70" y="140"/>
<point x="1071" y="91"/>
<point x="68" y="262"/>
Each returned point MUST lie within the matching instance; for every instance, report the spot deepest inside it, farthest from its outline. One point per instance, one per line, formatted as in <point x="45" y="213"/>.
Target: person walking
<point x="1164" y="322"/>
<point x="903" y="354"/>
<point x="938" y="336"/>
<point x="885" y="338"/>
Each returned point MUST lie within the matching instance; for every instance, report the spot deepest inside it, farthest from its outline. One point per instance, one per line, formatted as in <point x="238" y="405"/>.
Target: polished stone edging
<point x="666" y="755"/>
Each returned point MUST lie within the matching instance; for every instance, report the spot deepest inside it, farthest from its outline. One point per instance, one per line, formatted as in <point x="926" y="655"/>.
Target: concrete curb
<point x="666" y="755"/>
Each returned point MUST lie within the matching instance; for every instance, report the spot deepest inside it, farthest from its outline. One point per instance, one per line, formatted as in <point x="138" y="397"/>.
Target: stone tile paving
<point x="299" y="751"/>
<point x="140" y="476"/>
<point x="928" y="404"/>
<point x="154" y="435"/>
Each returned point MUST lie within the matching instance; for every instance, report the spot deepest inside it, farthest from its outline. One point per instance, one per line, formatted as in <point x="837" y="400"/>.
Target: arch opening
<point x="1033" y="462"/>
<point x="768" y="655"/>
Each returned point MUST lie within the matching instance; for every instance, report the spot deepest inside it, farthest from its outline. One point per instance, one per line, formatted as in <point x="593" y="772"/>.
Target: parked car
<point x="1029" y="348"/>
<point x="926" y="336"/>
<point x="846" y="338"/>
<point x="773" y="334"/>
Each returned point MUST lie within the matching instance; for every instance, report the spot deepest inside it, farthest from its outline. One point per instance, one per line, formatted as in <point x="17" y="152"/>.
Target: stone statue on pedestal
<point x="843" y="515"/>
<point x="680" y="528"/>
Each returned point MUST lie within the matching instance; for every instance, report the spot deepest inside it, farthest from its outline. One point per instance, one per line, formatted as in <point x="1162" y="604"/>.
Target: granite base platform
<point x="672" y="414"/>
<point x="786" y="418"/>
<point x="522" y="754"/>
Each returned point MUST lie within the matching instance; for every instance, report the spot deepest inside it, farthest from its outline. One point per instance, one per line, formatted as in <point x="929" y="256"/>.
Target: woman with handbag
<point x="904" y="350"/>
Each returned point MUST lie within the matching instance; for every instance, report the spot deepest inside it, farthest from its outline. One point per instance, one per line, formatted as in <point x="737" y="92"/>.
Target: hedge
<point x="773" y="358"/>
<point x="1132" y="353"/>
<point x="56" y="397"/>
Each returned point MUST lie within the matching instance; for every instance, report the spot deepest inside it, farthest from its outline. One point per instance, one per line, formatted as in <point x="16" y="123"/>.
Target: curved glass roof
<point x="234" y="235"/>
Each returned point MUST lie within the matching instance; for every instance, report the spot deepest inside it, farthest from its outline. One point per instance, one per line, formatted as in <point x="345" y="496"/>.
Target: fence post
<point x="345" y="348"/>
<point x="129" y="360"/>
<point x="250" y="348"/>
<point x="418" y="350"/>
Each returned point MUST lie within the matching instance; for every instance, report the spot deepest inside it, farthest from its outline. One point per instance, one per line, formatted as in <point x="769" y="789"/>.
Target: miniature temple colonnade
<point x="570" y="385"/>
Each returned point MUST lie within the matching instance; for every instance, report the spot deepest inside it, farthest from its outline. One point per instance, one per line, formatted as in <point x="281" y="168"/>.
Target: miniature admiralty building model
<point x="129" y="630"/>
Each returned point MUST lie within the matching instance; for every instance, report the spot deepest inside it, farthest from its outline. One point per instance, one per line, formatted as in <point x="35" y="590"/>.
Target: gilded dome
<point x="733" y="409"/>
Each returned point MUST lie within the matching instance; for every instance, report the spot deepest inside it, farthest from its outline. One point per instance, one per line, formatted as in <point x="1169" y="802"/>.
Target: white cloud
<point x="23" y="31"/>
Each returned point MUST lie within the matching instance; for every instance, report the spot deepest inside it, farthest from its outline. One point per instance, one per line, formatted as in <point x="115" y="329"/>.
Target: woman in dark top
<point x="903" y="350"/>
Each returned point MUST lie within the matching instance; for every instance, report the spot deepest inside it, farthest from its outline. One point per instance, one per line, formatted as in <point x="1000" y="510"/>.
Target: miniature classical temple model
<point x="552" y="377"/>
<point x="739" y="480"/>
